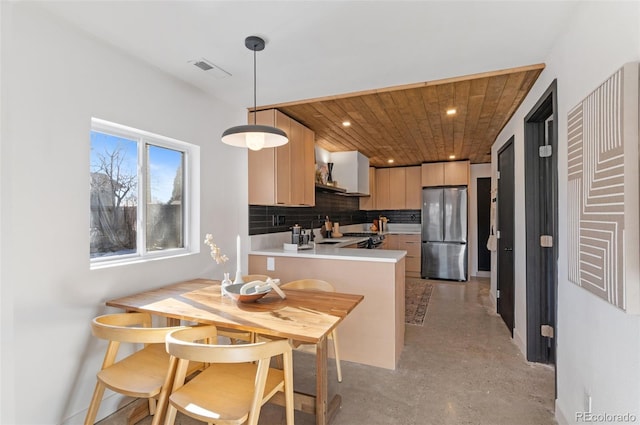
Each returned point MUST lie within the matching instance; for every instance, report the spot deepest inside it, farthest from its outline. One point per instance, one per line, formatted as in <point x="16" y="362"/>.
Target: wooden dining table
<point x="304" y="316"/>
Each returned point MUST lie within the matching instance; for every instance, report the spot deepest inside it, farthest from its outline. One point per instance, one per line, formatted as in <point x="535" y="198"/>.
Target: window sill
<point x="105" y="264"/>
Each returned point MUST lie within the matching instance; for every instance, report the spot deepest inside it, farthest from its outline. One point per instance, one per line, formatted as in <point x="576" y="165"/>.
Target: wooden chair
<point x="319" y="285"/>
<point x="141" y="374"/>
<point x="236" y="384"/>
<point x="236" y="335"/>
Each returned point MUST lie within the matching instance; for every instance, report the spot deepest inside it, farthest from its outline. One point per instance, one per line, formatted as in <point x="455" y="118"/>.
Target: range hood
<point x="351" y="171"/>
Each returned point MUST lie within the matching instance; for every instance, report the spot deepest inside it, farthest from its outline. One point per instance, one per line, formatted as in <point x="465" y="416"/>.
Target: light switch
<point x="271" y="264"/>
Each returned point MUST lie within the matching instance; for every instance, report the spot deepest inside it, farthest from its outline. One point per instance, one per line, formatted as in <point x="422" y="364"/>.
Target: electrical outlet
<point x="281" y="220"/>
<point x="274" y="220"/>
<point x="271" y="264"/>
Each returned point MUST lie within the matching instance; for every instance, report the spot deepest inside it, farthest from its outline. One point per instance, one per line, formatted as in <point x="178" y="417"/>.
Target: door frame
<point x="510" y="144"/>
<point x="542" y="288"/>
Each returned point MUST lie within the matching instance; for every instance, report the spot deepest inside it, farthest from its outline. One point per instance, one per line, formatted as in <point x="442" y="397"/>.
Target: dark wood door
<point x="483" y="201"/>
<point x="505" y="241"/>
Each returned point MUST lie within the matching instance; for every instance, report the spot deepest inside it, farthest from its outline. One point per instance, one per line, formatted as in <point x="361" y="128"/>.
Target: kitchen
<point x="49" y="291"/>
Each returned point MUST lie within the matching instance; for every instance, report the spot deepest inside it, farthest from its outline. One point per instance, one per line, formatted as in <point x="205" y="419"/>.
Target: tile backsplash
<point x="342" y="209"/>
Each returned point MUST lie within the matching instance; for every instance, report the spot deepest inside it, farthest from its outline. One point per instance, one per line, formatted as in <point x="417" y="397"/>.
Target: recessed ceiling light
<point x="451" y="111"/>
<point x="346" y="123"/>
<point x="452" y="157"/>
<point x="390" y="161"/>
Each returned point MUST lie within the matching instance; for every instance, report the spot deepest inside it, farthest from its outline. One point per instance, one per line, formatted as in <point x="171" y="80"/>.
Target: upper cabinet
<point x="452" y="173"/>
<point x="284" y="175"/>
<point x="413" y="188"/>
<point x="368" y="203"/>
<point x="396" y="188"/>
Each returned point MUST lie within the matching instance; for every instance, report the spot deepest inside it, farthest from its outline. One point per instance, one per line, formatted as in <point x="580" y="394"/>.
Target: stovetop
<point x="360" y="234"/>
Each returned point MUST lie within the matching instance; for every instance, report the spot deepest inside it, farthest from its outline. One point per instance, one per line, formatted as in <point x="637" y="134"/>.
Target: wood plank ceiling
<point x="409" y="123"/>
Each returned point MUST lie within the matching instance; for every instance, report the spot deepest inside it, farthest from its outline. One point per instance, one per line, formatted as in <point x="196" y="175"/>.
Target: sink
<point x="328" y="242"/>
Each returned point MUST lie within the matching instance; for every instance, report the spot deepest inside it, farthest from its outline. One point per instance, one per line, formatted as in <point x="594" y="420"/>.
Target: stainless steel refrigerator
<point x="444" y="233"/>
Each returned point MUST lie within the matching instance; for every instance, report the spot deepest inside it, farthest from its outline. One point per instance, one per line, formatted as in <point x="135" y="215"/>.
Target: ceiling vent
<point x="210" y="68"/>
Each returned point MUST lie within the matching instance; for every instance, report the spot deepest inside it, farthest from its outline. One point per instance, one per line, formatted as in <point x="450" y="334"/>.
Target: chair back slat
<point x="181" y="343"/>
<point x="134" y="329"/>
<point x="309" y="284"/>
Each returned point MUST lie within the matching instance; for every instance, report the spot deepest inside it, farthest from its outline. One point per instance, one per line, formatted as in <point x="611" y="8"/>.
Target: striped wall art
<point x="602" y="189"/>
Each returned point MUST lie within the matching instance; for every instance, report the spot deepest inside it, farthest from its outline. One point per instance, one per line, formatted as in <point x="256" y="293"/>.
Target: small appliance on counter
<point x="296" y="231"/>
<point x="300" y="238"/>
<point x="335" y="233"/>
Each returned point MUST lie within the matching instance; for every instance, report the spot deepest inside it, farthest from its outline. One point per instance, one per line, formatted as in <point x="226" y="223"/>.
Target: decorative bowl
<point x="234" y="292"/>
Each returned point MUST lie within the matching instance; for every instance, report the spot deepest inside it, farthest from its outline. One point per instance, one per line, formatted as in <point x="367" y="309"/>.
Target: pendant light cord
<point x="255" y="108"/>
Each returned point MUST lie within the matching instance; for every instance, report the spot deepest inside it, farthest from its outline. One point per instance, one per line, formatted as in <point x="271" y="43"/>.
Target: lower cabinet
<point x="409" y="243"/>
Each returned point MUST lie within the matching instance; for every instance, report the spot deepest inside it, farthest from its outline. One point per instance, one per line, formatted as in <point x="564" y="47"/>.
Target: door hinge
<point x="497" y="293"/>
<point x="545" y="151"/>
<point x="546" y="331"/>
<point x="498" y="175"/>
<point x="546" y="241"/>
<point x="497" y="234"/>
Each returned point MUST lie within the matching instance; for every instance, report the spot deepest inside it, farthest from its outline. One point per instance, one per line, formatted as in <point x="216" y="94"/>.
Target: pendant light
<point x="253" y="136"/>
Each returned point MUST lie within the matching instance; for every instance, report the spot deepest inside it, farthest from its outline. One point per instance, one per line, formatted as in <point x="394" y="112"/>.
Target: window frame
<point x="190" y="185"/>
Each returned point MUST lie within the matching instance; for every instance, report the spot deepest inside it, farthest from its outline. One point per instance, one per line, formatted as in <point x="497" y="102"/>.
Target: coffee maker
<point x="296" y="233"/>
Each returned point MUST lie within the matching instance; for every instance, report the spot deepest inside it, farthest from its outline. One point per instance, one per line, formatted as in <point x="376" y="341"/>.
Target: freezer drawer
<point x="441" y="260"/>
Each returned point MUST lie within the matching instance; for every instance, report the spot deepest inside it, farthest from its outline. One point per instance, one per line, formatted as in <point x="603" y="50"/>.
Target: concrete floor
<point x="460" y="367"/>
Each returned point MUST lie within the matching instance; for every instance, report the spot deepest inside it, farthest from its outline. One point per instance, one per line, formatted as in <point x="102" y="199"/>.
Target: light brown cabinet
<point x="453" y="173"/>
<point x="397" y="188"/>
<point x="284" y="175"/>
<point x="383" y="188"/>
<point x="368" y="203"/>
<point x="390" y="241"/>
<point x="409" y="243"/>
<point x="413" y="188"/>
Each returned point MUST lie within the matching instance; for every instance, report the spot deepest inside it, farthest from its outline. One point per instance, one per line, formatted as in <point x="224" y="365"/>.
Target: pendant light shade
<point x="254" y="136"/>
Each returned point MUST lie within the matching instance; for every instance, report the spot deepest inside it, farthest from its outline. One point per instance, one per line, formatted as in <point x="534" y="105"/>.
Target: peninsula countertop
<point x="334" y="253"/>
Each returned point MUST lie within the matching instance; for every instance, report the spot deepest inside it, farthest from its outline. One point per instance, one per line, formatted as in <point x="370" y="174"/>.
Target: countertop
<point x="333" y="252"/>
<point x="402" y="232"/>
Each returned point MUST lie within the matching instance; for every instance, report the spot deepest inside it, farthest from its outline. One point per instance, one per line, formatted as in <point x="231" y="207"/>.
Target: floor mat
<point x="416" y="294"/>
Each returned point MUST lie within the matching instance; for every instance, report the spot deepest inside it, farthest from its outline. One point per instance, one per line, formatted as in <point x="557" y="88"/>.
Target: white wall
<point x="477" y="171"/>
<point x="54" y="80"/>
<point x="598" y="345"/>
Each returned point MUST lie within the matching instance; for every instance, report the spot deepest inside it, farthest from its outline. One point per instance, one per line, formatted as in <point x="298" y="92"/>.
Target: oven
<point x="373" y="241"/>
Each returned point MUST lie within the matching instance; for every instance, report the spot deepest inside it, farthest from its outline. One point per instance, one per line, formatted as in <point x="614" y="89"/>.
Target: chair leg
<point x="288" y="387"/>
<point x="95" y="404"/>
<point x="170" y="417"/>
<point x="334" y="336"/>
<point x="152" y="406"/>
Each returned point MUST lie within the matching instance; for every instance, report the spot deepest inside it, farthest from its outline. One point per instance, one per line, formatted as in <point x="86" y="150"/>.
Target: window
<point x="140" y="192"/>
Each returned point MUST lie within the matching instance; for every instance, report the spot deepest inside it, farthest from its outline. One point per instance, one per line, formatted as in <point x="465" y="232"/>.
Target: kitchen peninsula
<point x="373" y="334"/>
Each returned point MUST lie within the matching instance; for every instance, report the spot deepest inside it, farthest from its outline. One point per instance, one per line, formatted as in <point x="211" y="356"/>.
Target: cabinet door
<point x="383" y="189"/>
<point x="297" y="163"/>
<point x="368" y="203"/>
<point x="433" y="174"/>
<point x="391" y="241"/>
<point x="283" y="161"/>
<point x="411" y="244"/>
<point x="310" y="167"/>
<point x="456" y="173"/>
<point x="413" y="188"/>
<point x="262" y="167"/>
<point x="397" y="188"/>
